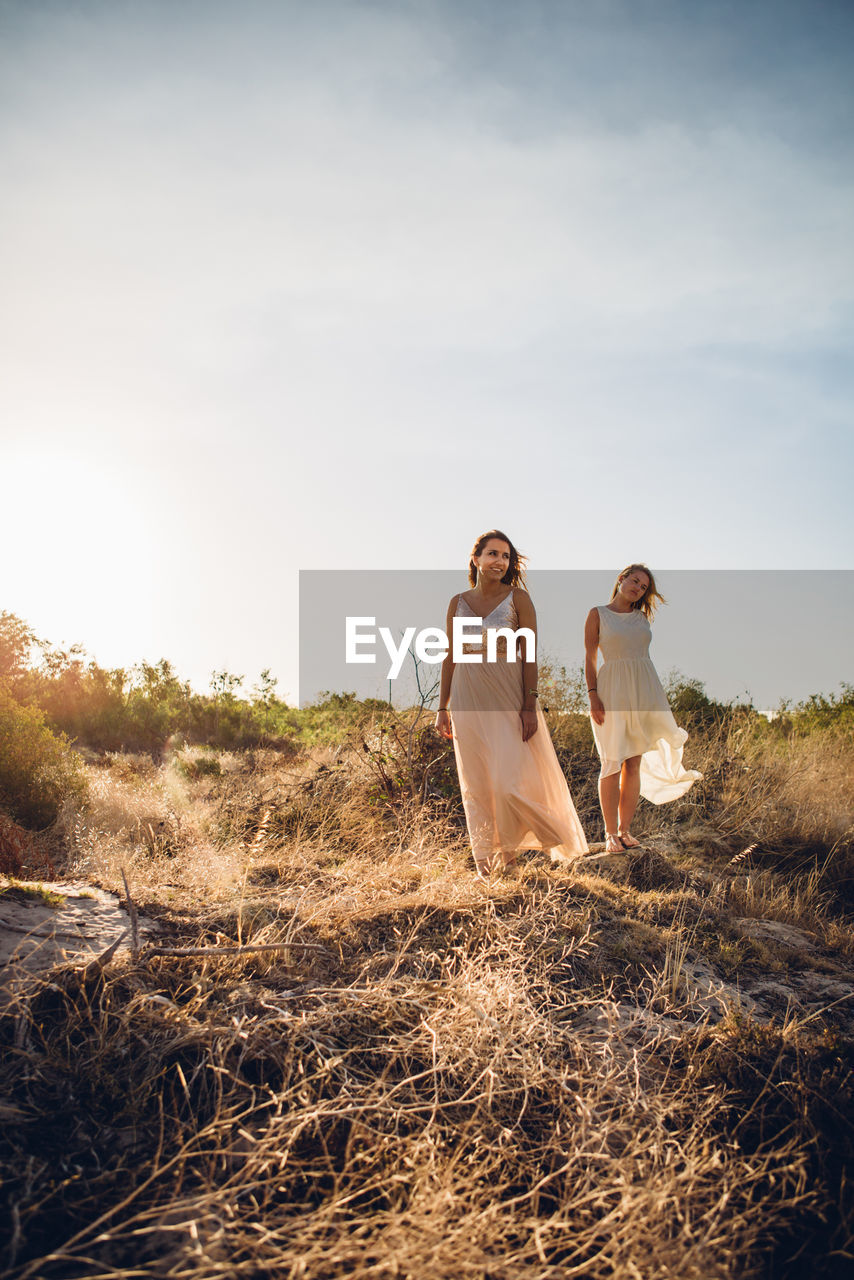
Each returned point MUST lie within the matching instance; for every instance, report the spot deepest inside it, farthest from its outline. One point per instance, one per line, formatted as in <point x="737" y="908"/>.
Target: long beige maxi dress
<point x="514" y="792"/>
<point x="638" y="719"/>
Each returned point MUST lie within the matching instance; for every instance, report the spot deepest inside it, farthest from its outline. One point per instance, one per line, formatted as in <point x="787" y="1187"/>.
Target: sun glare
<point x="81" y="552"/>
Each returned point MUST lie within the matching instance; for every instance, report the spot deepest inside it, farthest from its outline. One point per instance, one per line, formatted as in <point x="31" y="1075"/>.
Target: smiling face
<point x="493" y="562"/>
<point x="493" y="558"/>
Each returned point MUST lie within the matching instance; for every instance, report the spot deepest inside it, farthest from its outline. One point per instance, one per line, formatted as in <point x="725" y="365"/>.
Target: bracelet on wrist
<point x="593" y="690"/>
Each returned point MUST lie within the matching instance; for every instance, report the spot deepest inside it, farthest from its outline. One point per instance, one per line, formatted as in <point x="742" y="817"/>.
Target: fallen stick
<point x="100" y="962"/>
<point x="134" y="918"/>
<point x="590" y="857"/>
<point x="234" y="951"/>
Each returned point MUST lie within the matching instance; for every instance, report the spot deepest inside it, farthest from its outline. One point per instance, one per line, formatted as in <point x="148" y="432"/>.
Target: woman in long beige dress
<point x="514" y="792"/>
<point x="638" y="740"/>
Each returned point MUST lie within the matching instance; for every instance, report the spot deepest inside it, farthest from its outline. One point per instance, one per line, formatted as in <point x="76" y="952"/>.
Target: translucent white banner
<point x="752" y="635"/>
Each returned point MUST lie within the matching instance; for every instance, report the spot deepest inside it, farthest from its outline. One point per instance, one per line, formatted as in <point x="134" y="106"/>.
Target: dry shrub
<point x="648" y="869"/>
<point x="119" y="805"/>
<point x="466" y="1080"/>
<point x="789" y="800"/>
<point x="149" y="823"/>
<point x="576" y="750"/>
<point x="795" y="791"/>
<point x="218" y="844"/>
<point x="486" y="1116"/>
<point x="788" y="808"/>
<point x="16" y="846"/>
<point x="334" y="799"/>
<point x="129" y="765"/>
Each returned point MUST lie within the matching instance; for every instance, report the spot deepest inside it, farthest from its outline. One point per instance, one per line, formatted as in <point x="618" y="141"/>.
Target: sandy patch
<point x="47" y="923"/>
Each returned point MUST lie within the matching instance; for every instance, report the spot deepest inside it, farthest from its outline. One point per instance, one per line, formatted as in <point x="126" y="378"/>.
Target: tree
<point x="17" y="641"/>
<point x="37" y="769"/>
<point x="265" y="694"/>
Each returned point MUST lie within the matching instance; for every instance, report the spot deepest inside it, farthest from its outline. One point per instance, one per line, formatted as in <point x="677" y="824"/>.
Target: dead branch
<point x="235" y="951"/>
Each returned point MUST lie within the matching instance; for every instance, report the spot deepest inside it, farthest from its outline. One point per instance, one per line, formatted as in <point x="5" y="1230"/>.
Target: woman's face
<point x="634" y="585"/>
<point x="494" y="560"/>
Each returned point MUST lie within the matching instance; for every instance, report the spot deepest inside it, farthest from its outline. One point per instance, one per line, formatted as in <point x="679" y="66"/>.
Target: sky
<point x="339" y="286"/>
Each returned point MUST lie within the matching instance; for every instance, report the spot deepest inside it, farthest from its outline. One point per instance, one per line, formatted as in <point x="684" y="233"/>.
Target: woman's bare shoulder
<point x="591" y="625"/>
<point x="524" y="606"/>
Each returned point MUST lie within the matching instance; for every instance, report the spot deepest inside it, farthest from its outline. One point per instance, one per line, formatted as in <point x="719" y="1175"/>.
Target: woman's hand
<point x="443" y="724"/>
<point x="597" y="708"/>
<point x="529" y="724"/>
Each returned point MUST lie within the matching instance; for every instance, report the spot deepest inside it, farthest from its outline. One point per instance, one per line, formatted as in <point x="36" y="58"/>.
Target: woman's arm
<point x="443" y="719"/>
<point x="591" y="646"/>
<point x="527" y="616"/>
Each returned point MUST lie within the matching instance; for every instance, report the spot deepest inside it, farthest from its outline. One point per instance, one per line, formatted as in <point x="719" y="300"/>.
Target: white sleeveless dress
<point x="638" y="719"/>
<point x="514" y="793"/>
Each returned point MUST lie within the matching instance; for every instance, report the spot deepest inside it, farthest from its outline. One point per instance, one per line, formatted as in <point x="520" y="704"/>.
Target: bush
<point x="198" y="766"/>
<point x="37" y="768"/>
<point x="821" y="713"/>
<point x="331" y="720"/>
<point x="692" y="706"/>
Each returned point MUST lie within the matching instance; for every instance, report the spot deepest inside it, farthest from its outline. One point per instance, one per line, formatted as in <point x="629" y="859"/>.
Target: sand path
<point x="45" y="923"/>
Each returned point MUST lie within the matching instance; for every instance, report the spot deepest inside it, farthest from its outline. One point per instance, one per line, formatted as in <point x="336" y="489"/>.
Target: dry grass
<point x="519" y="1079"/>
<point x="486" y="1116"/>
<point x="782" y="794"/>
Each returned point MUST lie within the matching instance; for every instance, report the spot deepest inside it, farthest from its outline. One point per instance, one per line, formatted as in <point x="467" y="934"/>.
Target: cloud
<point x="385" y="253"/>
<point x="171" y="208"/>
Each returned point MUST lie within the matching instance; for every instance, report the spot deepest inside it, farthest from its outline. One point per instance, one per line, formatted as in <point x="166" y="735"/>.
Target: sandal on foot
<point x="629" y="842"/>
<point x="613" y="843"/>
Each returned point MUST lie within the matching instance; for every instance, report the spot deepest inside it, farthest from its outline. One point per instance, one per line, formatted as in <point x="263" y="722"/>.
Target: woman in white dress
<point x="514" y="792"/>
<point x="638" y="740"/>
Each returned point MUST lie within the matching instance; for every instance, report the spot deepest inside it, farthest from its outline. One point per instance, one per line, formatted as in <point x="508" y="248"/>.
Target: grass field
<point x="632" y="1066"/>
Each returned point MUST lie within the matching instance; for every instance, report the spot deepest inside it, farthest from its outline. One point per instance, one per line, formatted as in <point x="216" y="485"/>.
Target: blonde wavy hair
<point x="651" y="598"/>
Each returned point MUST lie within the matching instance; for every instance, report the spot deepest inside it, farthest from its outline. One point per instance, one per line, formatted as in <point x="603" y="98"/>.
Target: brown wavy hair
<point x="651" y="598"/>
<point x="515" y="575"/>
